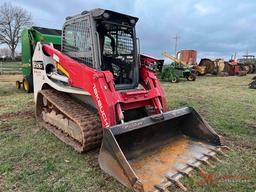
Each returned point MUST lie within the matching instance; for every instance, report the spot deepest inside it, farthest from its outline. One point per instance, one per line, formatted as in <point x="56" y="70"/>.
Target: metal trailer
<point x="187" y="56"/>
<point x="248" y="63"/>
<point x="29" y="39"/>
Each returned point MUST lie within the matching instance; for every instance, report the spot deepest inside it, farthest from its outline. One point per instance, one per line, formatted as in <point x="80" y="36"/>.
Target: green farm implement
<point x="29" y="39"/>
<point x="175" y="71"/>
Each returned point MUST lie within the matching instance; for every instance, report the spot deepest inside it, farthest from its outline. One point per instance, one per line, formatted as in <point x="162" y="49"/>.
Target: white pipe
<point x="58" y="77"/>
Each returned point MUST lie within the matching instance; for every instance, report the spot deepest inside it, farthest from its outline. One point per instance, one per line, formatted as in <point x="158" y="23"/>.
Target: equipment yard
<point x="32" y="159"/>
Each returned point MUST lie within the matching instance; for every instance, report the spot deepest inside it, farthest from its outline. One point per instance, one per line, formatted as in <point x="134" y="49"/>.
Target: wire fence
<point x="10" y="68"/>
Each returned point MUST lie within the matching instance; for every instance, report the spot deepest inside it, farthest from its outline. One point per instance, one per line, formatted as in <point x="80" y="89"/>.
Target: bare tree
<point x="12" y="20"/>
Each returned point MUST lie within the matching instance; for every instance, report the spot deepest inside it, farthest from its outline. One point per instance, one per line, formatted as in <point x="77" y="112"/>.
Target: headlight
<point x="106" y="15"/>
<point x="132" y="21"/>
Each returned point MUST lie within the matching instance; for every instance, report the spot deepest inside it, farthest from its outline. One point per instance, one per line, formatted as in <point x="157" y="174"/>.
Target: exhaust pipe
<point x="154" y="152"/>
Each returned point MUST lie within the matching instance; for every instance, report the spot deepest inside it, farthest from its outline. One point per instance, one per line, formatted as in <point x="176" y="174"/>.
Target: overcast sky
<point x="215" y="28"/>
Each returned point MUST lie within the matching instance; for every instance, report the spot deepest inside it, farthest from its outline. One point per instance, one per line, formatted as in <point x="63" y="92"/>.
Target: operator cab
<point x="104" y="40"/>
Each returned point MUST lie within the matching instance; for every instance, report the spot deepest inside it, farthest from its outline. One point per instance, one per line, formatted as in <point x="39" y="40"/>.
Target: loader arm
<point x="100" y="85"/>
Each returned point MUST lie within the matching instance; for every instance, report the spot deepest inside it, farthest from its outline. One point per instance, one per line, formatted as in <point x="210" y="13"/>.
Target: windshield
<point x="118" y="52"/>
<point x="77" y="42"/>
<point x="123" y="40"/>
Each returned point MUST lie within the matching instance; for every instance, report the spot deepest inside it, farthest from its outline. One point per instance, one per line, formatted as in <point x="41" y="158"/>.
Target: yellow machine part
<point x="64" y="71"/>
<point x="200" y="69"/>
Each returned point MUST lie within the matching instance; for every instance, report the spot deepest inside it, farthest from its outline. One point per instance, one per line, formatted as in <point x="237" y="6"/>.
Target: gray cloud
<point x="213" y="28"/>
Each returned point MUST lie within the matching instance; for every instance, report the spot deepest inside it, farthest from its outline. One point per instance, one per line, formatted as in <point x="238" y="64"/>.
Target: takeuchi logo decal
<point x="100" y="106"/>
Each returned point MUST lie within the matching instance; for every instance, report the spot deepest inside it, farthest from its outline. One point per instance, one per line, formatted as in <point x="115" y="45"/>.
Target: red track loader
<point x="96" y="90"/>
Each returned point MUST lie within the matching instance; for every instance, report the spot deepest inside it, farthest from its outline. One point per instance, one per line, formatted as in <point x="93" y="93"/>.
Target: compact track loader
<point x="97" y="91"/>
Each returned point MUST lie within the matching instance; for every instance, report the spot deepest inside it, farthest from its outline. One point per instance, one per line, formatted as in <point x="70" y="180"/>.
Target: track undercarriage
<point x="75" y="124"/>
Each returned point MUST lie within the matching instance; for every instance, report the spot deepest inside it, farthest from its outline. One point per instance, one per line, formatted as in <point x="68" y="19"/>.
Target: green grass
<point x="10" y="67"/>
<point x="14" y="64"/>
<point x="31" y="159"/>
<point x="230" y="107"/>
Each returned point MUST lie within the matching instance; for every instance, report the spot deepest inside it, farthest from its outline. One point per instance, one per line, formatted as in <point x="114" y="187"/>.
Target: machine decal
<point x="132" y="126"/>
<point x="38" y="65"/>
<point x="99" y="103"/>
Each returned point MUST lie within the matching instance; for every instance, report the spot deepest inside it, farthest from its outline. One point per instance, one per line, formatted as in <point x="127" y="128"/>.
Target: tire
<point x="247" y="68"/>
<point x="28" y="84"/>
<point x="191" y="77"/>
<point x="175" y="79"/>
<point x="250" y="68"/>
<point x="17" y="84"/>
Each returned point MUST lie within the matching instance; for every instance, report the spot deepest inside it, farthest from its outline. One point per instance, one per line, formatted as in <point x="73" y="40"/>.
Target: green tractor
<point x="175" y="71"/>
<point x="29" y="38"/>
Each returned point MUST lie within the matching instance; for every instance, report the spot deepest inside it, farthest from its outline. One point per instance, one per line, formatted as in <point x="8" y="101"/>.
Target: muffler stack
<point x="153" y="153"/>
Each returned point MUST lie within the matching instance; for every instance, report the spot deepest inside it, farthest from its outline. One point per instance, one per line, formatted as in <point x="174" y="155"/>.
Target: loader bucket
<point x="152" y="153"/>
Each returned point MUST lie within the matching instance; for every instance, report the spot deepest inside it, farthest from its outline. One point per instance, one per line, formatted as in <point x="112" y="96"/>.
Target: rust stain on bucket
<point x="152" y="167"/>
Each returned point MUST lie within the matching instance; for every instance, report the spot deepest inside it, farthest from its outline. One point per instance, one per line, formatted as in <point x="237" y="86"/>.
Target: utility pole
<point x="235" y="56"/>
<point x="176" y="44"/>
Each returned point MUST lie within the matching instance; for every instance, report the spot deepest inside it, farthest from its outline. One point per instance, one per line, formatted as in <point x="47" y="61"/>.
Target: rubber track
<point x="85" y="118"/>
